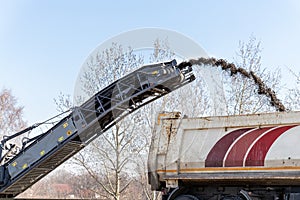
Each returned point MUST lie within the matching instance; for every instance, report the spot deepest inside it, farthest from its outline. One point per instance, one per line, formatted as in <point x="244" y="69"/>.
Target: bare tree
<point x="109" y="159"/>
<point x="77" y="185"/>
<point x="108" y="66"/>
<point x="11" y="121"/>
<point x="11" y="114"/>
<point x="241" y="93"/>
<point x="292" y="98"/>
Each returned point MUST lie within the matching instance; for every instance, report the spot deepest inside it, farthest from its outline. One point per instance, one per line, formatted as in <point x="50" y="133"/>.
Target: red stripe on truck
<point x="237" y="152"/>
<point x="216" y="155"/>
<point x="259" y="150"/>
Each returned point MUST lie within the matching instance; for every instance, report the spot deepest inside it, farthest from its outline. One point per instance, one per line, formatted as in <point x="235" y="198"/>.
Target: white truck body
<point x="236" y="153"/>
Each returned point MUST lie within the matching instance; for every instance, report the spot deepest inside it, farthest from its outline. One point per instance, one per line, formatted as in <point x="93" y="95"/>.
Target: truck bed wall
<point x="250" y="148"/>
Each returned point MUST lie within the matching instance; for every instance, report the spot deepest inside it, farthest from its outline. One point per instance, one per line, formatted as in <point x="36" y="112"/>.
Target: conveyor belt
<point x="38" y="171"/>
<point x="88" y="121"/>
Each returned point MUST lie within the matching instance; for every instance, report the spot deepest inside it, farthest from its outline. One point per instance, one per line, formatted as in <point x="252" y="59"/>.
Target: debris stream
<point x="263" y="89"/>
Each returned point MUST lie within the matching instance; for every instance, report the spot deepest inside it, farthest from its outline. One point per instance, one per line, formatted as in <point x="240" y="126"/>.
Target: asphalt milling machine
<point x="23" y="166"/>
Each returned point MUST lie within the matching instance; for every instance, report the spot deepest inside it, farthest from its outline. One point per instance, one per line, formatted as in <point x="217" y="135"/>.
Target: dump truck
<point x="251" y="157"/>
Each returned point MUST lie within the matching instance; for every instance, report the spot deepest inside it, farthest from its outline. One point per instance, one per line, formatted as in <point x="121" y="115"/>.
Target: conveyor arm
<point x="88" y="121"/>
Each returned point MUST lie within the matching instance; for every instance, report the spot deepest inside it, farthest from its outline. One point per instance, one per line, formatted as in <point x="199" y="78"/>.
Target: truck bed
<point x="259" y="149"/>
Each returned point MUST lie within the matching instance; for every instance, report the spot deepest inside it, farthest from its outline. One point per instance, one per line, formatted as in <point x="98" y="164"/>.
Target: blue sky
<point x="44" y="43"/>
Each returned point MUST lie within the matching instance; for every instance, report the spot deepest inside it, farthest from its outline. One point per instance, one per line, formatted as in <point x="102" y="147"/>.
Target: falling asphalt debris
<point x="263" y="89"/>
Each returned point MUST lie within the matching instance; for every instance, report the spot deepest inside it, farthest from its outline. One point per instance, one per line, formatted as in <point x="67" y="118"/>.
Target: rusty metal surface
<point x="266" y="119"/>
<point x="238" y="178"/>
